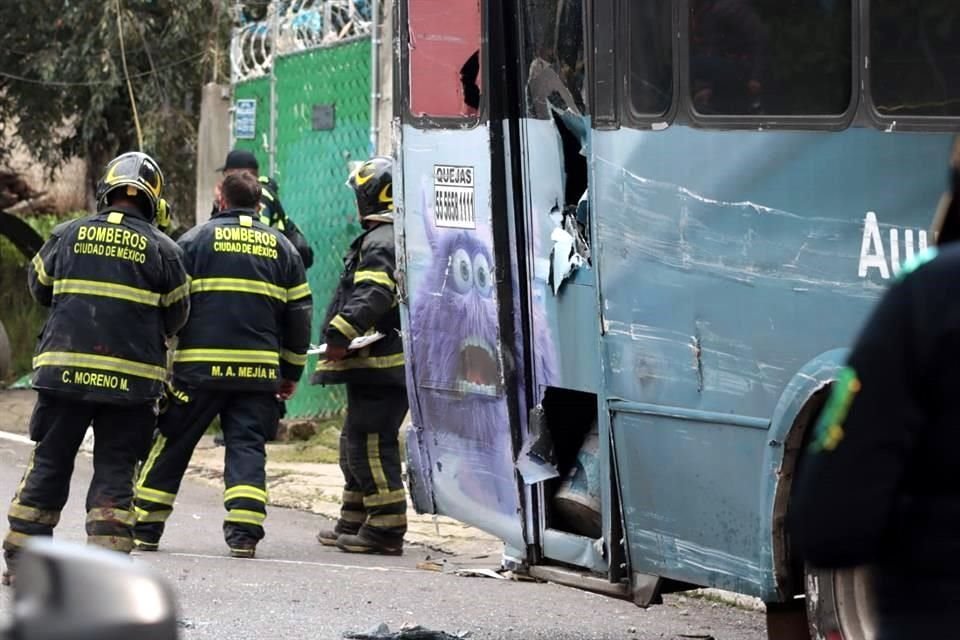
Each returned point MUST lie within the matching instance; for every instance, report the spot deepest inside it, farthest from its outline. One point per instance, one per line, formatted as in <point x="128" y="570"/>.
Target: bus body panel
<point x="455" y="354"/>
<point x="727" y="262"/>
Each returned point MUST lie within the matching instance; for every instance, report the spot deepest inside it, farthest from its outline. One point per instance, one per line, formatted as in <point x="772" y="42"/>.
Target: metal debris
<point x="382" y="632"/>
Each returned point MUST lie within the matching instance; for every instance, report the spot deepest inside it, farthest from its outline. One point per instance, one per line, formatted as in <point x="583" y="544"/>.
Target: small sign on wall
<point x="245" y="120"/>
<point x="324" y="117"/>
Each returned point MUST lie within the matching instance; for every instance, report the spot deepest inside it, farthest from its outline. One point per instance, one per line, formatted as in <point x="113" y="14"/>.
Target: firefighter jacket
<point x="250" y="306"/>
<point x="116" y="288"/>
<point x="878" y="484"/>
<point x="272" y="214"/>
<point x="365" y="302"/>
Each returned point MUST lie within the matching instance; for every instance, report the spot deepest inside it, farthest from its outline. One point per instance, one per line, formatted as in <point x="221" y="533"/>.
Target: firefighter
<point x="116" y="288"/>
<point x="270" y="210"/>
<point x="373" y="512"/>
<point x="878" y="485"/>
<point x="244" y="346"/>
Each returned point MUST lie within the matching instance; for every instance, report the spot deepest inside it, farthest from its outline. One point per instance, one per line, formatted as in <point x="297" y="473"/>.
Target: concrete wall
<point x="213" y="143"/>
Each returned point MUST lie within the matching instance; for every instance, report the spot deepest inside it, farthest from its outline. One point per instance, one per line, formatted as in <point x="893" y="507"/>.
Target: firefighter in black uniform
<point x="373" y="513"/>
<point x="245" y="345"/>
<point x="116" y="288"/>
<point x="271" y="211"/>
<point x="879" y="484"/>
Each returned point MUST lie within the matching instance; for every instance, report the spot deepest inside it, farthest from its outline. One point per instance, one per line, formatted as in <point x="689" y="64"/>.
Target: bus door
<point x="461" y="366"/>
<point x="561" y="288"/>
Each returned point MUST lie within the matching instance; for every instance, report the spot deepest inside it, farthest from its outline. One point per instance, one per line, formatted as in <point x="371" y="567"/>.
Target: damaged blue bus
<point x="635" y="240"/>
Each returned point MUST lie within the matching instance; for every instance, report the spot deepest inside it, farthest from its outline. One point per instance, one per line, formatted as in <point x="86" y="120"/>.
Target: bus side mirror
<point x="68" y="591"/>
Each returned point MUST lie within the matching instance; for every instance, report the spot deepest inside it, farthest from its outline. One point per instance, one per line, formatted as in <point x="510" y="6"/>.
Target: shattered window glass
<point x="915" y="57"/>
<point x="555" y="62"/>
<point x="651" y="57"/>
<point x="770" y="57"/>
<point x="444" y="49"/>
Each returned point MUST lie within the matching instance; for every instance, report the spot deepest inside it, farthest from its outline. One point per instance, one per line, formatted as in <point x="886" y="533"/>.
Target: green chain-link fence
<point x="312" y="167"/>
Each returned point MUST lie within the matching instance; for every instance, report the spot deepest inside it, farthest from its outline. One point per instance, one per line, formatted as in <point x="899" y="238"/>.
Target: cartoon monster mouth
<point x="478" y="368"/>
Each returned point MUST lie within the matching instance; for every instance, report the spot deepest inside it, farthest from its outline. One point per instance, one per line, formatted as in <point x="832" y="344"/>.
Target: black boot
<point x="9" y="573"/>
<point x="358" y="544"/>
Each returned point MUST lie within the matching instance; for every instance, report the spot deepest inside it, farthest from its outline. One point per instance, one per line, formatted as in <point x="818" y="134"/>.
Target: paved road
<point x="297" y="589"/>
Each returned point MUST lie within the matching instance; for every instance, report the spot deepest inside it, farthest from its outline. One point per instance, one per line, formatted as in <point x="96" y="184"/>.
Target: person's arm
<point x="850" y="478"/>
<point x="295" y="332"/>
<point x="42" y="270"/>
<point x="374" y="293"/>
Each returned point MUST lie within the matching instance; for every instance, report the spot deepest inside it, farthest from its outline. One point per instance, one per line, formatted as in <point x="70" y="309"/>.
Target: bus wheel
<point x="840" y="604"/>
<point x="6" y="357"/>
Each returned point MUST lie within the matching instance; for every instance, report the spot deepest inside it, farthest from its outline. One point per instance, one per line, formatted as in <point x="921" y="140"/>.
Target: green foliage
<point x="21" y="316"/>
<point x="63" y="89"/>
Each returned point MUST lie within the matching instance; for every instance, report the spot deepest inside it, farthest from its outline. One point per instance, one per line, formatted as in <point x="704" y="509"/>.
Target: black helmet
<point x="136" y="171"/>
<point x="372" y="184"/>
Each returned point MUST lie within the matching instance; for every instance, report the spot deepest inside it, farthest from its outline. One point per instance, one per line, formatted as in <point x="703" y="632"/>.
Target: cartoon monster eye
<point x="462" y="271"/>
<point x="481" y="274"/>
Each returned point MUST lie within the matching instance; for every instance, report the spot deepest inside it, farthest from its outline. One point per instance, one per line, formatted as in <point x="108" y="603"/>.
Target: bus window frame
<point x="605" y="116"/>
<point x="872" y="114"/>
<point x="631" y="117"/>
<point x="403" y="85"/>
<point x="831" y="122"/>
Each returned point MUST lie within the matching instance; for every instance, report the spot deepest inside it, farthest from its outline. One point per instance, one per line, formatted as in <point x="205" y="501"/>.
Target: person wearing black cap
<point x="271" y="209"/>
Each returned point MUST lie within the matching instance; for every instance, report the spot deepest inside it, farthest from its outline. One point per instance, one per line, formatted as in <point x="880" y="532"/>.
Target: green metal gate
<point x="312" y="166"/>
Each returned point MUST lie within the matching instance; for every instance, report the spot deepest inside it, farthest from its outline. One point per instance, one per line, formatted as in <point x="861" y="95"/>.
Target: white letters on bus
<point x="874" y="255"/>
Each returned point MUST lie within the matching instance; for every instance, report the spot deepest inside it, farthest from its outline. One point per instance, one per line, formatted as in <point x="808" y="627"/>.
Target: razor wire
<point x="290" y="26"/>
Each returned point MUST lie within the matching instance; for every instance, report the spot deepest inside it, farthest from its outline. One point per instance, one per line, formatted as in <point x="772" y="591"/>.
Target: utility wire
<point x="93" y="83"/>
<point x="123" y="58"/>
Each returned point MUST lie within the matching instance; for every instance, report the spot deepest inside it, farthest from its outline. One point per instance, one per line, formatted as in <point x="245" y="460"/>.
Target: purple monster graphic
<point x="457" y="366"/>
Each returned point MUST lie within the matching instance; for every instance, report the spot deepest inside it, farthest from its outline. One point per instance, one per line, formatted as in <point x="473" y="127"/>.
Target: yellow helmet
<point x="136" y="171"/>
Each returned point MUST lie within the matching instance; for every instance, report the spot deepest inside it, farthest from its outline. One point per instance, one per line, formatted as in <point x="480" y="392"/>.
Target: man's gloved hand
<point x="164" y="218"/>
<point x="287" y="388"/>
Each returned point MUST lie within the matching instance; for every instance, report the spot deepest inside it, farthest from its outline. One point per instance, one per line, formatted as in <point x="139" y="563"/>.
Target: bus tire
<point x="840" y="604"/>
<point x="6" y="356"/>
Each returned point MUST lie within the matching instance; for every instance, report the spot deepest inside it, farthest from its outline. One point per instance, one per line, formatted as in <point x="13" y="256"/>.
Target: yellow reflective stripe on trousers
<point x="114" y="543"/>
<point x="16" y="540"/>
<point x="32" y="514"/>
<point x="108" y="514"/>
<point x="377" y="277"/>
<point x="299" y="291"/>
<point x="155" y="452"/>
<point x="245" y="491"/>
<point x="399" y="520"/>
<point x="293" y="358"/>
<point x="339" y="323"/>
<point x="42" y="276"/>
<point x="160" y="515"/>
<point x="238" y="285"/>
<point x="153" y="495"/>
<point x="227" y="355"/>
<point x="355" y="517"/>
<point x="176" y="294"/>
<point x="376" y="465"/>
<point x="387" y="497"/>
<point x="379" y="362"/>
<point x="103" y="363"/>
<point x="106" y="290"/>
<point x="245" y="516"/>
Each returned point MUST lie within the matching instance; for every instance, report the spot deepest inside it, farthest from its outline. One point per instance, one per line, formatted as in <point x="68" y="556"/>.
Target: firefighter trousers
<point x="58" y="425"/>
<point x="374" y="501"/>
<point x="245" y="418"/>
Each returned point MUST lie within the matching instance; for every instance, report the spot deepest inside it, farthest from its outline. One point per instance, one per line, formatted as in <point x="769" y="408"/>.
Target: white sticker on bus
<point x="887" y="255"/>
<point x="453" y="197"/>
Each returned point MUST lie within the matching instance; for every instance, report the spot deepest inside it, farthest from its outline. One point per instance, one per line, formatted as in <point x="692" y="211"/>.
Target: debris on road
<point x="382" y="632"/>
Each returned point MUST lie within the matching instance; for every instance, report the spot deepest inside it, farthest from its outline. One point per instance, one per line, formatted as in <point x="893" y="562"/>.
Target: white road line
<point x="15" y="437"/>
<point x="329" y="565"/>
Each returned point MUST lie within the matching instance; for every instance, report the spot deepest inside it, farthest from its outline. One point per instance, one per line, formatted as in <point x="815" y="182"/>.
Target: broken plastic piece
<point x="537" y="460"/>
<point x="563" y="259"/>
<point x="382" y="632"/>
